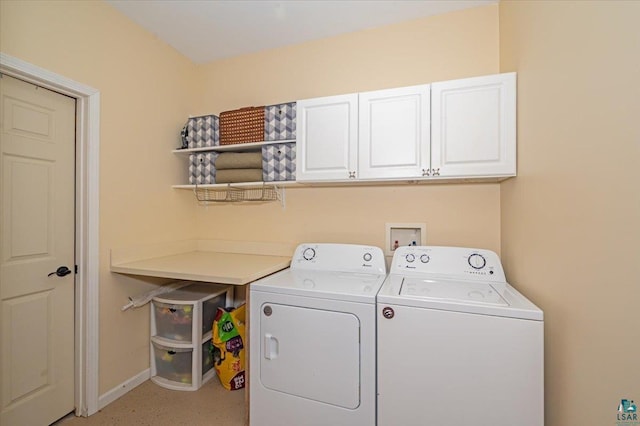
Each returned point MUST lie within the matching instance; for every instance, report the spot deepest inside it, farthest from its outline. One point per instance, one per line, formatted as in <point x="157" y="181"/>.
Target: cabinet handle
<point x="352" y="175"/>
<point x="436" y="172"/>
<point x="425" y="172"/>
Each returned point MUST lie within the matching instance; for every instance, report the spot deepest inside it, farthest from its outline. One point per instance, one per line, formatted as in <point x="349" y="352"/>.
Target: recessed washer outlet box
<point x="404" y="234"/>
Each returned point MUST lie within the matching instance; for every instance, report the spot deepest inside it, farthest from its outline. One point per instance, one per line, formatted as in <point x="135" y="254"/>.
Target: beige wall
<point x="454" y="45"/>
<point x="147" y="90"/>
<point x="571" y="219"/>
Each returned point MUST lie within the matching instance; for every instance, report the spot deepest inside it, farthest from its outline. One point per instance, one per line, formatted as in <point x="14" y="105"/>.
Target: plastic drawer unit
<point x="181" y="325"/>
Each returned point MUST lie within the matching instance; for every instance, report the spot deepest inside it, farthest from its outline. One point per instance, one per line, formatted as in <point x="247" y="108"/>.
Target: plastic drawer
<point x="207" y="357"/>
<point x="209" y="309"/>
<point x="173" y="321"/>
<point x="173" y="364"/>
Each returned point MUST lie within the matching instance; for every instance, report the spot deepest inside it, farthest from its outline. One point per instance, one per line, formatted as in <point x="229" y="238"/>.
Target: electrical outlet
<point x="404" y="234"/>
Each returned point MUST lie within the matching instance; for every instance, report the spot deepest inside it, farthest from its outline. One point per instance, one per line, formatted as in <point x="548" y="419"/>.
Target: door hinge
<point x="76" y="269"/>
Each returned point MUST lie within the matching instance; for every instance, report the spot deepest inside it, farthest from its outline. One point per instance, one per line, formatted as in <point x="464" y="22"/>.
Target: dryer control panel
<point x="352" y="258"/>
<point x="452" y="262"/>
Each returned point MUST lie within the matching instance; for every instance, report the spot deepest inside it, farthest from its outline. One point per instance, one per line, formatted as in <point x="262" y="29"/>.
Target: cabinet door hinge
<point x="76" y="269"/>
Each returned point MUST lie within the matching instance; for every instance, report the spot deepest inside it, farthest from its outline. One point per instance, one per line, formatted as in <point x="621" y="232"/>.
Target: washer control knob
<point x="477" y="261"/>
<point x="308" y="254"/>
<point x="387" y="312"/>
<point x="367" y="257"/>
<point x="410" y="258"/>
<point x="425" y="258"/>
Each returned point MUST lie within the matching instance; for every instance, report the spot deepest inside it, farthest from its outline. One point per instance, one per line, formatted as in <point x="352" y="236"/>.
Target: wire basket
<point x="234" y="194"/>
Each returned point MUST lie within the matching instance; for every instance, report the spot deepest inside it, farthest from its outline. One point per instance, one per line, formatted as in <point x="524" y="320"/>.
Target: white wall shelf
<point x="246" y="185"/>
<point x="339" y="183"/>
<point x="235" y="147"/>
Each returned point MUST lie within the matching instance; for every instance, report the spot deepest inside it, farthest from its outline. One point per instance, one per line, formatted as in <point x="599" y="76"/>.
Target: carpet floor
<point x="150" y="404"/>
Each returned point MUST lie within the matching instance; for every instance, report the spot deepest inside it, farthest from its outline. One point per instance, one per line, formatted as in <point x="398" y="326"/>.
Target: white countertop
<point x="225" y="262"/>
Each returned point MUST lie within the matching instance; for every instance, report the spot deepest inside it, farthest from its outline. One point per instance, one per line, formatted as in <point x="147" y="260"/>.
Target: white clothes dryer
<point x="312" y="338"/>
<point x="456" y="343"/>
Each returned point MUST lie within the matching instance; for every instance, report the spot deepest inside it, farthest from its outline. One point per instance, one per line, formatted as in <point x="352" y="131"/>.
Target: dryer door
<point x="311" y="353"/>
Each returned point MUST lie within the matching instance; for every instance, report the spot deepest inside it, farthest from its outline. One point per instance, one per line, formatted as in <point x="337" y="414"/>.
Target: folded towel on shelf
<point x="238" y="175"/>
<point x="239" y="160"/>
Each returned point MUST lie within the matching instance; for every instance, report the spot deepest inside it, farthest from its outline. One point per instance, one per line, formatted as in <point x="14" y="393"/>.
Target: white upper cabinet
<point x="394" y="133"/>
<point x="473" y="127"/>
<point x="453" y="129"/>
<point x="327" y="138"/>
<point x="373" y="135"/>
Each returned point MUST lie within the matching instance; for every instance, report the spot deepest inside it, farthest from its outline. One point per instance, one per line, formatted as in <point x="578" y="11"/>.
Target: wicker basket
<point x="242" y="125"/>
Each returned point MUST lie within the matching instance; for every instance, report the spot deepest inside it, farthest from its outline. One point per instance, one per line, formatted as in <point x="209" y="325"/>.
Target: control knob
<point x="477" y="261"/>
<point x="410" y="258"/>
<point x="308" y="254"/>
<point x="425" y="258"/>
<point x="367" y="257"/>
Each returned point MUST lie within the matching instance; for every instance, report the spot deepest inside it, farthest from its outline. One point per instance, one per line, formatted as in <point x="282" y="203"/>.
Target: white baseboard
<point x="115" y="393"/>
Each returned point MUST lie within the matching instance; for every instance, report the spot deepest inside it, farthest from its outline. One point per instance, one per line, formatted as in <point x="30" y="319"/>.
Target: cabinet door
<point x="394" y="133"/>
<point x="327" y="138"/>
<point x="473" y="128"/>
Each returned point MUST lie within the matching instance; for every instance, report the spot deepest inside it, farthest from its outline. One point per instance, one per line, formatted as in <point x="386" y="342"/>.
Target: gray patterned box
<point x="203" y="131"/>
<point x="279" y="162"/>
<point x="280" y="122"/>
<point x="202" y="168"/>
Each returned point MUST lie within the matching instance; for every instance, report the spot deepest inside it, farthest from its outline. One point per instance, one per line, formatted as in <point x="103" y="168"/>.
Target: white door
<point x="394" y="133"/>
<point x="327" y="138"/>
<point x="473" y="126"/>
<point x="37" y="172"/>
<point x="311" y="353"/>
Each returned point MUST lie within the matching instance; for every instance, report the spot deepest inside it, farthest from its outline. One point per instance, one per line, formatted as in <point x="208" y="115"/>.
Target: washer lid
<point x="474" y="292"/>
<point x="473" y="297"/>
<point x="348" y="286"/>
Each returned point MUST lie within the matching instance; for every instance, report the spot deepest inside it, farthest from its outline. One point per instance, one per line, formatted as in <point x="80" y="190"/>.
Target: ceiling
<point x="207" y="30"/>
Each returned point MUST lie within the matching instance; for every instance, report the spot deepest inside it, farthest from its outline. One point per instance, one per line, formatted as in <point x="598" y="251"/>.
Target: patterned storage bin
<point x="201" y="132"/>
<point x="279" y="162"/>
<point x="280" y="122"/>
<point x="202" y="168"/>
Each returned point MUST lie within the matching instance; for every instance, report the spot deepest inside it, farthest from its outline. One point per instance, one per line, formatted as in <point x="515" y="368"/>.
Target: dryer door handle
<point x="270" y="346"/>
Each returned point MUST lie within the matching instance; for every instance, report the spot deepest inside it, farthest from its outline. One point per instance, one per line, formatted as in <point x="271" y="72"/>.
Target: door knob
<point x="61" y="271"/>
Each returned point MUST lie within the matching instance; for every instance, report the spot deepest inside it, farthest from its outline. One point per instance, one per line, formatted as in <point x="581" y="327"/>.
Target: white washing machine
<point x="457" y="345"/>
<point x="312" y="338"/>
